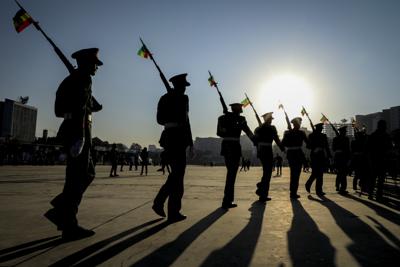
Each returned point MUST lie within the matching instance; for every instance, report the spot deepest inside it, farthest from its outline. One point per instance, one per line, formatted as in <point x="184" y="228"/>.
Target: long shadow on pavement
<point x="381" y="211"/>
<point x="168" y="253"/>
<point x="87" y="251"/>
<point x="29" y="248"/>
<point x="368" y="247"/>
<point x="385" y="232"/>
<point x="239" y="251"/>
<point x="308" y="246"/>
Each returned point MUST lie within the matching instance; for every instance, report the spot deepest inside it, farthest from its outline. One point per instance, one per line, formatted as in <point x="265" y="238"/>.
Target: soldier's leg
<point x="232" y="165"/>
<point x="380" y="182"/>
<point x="295" y="171"/>
<point x="178" y="165"/>
<point x="319" y="175"/>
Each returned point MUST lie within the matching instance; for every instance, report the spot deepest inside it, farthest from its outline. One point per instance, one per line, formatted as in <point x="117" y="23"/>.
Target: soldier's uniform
<point x="320" y="154"/>
<point x="230" y="126"/>
<point x="293" y="141"/>
<point x="264" y="135"/>
<point x="173" y="114"/>
<point x="379" y="146"/>
<point x="74" y="102"/>
<point x="359" y="161"/>
<point x="341" y="150"/>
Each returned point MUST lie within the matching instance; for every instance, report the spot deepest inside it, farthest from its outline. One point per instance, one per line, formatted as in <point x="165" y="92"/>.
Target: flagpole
<point x="333" y="126"/>
<point x="255" y="112"/>
<point x="312" y="125"/>
<point x="56" y="49"/>
<point x="224" y="107"/>
<point x="166" y="83"/>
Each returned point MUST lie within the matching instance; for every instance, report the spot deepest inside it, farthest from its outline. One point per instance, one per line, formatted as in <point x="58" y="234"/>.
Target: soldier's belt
<point x="264" y="144"/>
<point x="170" y="125"/>
<point x="318" y="149"/>
<point x="339" y="151"/>
<point x="293" y="148"/>
<point x="67" y="116"/>
<point x="231" y="139"/>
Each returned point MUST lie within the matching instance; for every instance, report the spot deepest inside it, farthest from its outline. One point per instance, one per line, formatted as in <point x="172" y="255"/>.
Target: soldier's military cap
<point x="267" y="115"/>
<point x="297" y="119"/>
<point x="233" y="105"/>
<point x="88" y="54"/>
<point x="179" y="79"/>
<point x="343" y="128"/>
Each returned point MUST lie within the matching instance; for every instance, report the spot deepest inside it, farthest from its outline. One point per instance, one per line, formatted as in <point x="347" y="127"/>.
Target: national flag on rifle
<point x="144" y="52"/>
<point x="245" y="102"/>
<point x="303" y="112"/>
<point x="22" y="20"/>
<point x="212" y="81"/>
<point x="324" y="119"/>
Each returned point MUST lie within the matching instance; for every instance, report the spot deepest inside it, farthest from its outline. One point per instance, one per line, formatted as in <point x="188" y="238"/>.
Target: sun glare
<point x="290" y="90"/>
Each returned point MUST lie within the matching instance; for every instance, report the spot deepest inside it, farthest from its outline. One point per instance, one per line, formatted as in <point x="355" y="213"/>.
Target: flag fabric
<point x="144" y="52"/>
<point x="245" y="102"/>
<point x="303" y="112"/>
<point x="212" y="81"/>
<point x="324" y="119"/>
<point x="22" y="20"/>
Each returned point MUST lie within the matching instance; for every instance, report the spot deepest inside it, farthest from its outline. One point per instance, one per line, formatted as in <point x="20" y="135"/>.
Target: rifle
<point x="63" y="58"/>
<point x="224" y="107"/>
<point x="166" y="83"/>
<point x="255" y="112"/>
<point x="289" y="126"/>
<point x="333" y="126"/>
<point x="312" y="125"/>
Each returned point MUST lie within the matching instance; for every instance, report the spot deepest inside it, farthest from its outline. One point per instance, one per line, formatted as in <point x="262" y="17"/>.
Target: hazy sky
<point x="337" y="57"/>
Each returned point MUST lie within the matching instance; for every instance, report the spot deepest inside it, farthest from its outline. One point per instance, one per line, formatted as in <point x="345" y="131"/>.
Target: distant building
<point x="370" y="121"/>
<point x="17" y="121"/>
<point x="152" y="148"/>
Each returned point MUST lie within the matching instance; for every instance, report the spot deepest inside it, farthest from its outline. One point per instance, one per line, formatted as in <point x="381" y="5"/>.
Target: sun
<point x="288" y="89"/>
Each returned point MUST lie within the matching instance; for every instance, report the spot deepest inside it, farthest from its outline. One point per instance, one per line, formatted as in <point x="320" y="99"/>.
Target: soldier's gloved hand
<point x="76" y="148"/>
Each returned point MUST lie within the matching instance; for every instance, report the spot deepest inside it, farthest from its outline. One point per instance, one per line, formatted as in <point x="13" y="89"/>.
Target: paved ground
<point x="335" y="231"/>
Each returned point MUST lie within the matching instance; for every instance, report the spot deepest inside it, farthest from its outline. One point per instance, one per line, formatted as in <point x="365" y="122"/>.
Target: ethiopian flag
<point x="324" y="119"/>
<point x="212" y="81"/>
<point x="303" y="112"/>
<point x="144" y="52"/>
<point x="22" y="20"/>
<point x="245" y="102"/>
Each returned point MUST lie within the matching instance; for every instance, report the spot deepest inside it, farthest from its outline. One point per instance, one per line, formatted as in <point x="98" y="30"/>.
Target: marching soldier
<point x="341" y="149"/>
<point x="320" y="153"/>
<point x="173" y="113"/>
<point x="359" y="160"/>
<point x="264" y="135"/>
<point x="230" y="126"/>
<point x="379" y="145"/>
<point x="293" y="140"/>
<point x="75" y="103"/>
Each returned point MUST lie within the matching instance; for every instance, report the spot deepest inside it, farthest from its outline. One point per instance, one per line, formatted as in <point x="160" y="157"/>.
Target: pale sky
<point x="341" y="58"/>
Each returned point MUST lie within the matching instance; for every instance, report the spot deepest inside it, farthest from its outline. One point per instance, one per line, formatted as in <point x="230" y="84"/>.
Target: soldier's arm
<point x="246" y="129"/>
<point x="326" y="144"/>
<point x="96" y="106"/>
<point x="277" y="140"/>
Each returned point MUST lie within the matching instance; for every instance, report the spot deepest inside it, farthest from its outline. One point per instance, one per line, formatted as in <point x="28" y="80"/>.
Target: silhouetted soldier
<point x="243" y="167"/>
<point x="144" y="155"/>
<point x="136" y="161"/>
<point x="278" y="164"/>
<point x="173" y="113"/>
<point x="74" y="102"/>
<point x="293" y="141"/>
<point x="230" y="126"/>
<point x="264" y="135"/>
<point x="359" y="160"/>
<point x="320" y="154"/>
<point x="379" y="145"/>
<point x="164" y="163"/>
<point x="341" y="150"/>
<point x="114" y="160"/>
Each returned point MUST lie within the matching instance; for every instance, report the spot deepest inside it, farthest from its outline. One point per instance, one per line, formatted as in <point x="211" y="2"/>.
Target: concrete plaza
<point x="333" y="231"/>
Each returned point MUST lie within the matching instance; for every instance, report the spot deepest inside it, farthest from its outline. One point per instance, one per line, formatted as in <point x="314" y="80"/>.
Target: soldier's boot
<point x="53" y="216"/>
<point x="75" y="233"/>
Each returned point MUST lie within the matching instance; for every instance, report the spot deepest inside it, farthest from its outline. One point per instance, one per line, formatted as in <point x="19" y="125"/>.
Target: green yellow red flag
<point x="22" y="20"/>
<point x="245" y="102"/>
<point x="144" y="52"/>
